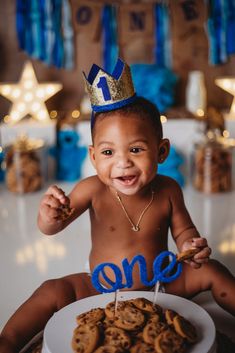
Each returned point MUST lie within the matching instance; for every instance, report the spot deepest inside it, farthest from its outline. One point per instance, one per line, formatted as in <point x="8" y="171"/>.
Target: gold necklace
<point x="135" y="227"/>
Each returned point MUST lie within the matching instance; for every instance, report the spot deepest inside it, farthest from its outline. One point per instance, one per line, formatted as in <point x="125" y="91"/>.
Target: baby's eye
<point x="107" y="152"/>
<point x="136" y="149"/>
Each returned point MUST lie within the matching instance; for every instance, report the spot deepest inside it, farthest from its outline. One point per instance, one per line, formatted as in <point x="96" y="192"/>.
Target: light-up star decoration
<point x="228" y="84"/>
<point x="28" y="96"/>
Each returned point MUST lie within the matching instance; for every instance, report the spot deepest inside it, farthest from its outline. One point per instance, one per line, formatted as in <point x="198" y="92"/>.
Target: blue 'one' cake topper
<point x="159" y="274"/>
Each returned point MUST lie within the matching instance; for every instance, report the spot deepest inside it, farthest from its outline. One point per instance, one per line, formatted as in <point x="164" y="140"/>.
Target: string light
<point x="226" y="133"/>
<point x="163" y="119"/>
<point x="75" y="114"/>
<point x="6" y="119"/>
<point x="200" y="113"/>
<point x="53" y="114"/>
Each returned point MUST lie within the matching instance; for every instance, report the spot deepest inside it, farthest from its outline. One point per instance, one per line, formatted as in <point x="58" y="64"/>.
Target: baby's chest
<point x="155" y="220"/>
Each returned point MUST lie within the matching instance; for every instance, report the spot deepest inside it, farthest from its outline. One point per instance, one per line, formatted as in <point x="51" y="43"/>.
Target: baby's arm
<point x="184" y="231"/>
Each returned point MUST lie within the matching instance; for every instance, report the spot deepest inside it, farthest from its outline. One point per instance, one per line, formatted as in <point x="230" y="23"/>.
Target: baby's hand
<point x="52" y="204"/>
<point x="202" y="256"/>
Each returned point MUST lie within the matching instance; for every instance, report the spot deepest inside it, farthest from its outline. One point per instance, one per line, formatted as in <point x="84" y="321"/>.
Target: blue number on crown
<point x="102" y="84"/>
<point x="160" y="274"/>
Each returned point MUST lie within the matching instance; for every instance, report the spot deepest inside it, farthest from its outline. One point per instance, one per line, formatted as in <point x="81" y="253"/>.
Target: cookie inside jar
<point x="136" y="325"/>
<point x="213" y="165"/>
<point x="25" y="165"/>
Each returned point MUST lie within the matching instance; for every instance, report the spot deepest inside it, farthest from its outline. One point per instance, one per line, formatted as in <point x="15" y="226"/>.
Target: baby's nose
<point x="123" y="161"/>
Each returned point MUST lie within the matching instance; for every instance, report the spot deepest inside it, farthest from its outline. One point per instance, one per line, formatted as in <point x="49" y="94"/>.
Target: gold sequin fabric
<point x="119" y="90"/>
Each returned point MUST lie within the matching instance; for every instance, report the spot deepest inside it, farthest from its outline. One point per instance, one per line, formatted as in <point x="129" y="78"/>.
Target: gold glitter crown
<point x="110" y="91"/>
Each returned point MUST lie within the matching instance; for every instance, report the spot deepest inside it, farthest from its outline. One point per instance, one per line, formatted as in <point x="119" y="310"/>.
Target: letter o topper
<point x="160" y="274"/>
<point x="83" y="15"/>
<point x="100" y="270"/>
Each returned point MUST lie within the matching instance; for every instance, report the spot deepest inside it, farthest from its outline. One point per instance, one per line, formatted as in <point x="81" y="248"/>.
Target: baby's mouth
<point x="127" y="180"/>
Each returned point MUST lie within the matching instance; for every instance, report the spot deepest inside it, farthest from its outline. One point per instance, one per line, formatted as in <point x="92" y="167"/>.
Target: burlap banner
<point x="189" y="38"/>
<point x="136" y="31"/>
<point x="86" y="17"/>
<point x="135" y="21"/>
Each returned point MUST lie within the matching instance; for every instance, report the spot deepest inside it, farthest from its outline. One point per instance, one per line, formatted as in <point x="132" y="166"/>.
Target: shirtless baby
<point x="131" y="211"/>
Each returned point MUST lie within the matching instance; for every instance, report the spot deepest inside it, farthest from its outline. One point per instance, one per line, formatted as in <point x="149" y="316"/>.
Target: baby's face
<point x="125" y="152"/>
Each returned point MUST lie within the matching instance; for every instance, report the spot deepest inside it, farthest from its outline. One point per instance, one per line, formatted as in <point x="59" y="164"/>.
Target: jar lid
<point x="24" y="144"/>
<point x="213" y="140"/>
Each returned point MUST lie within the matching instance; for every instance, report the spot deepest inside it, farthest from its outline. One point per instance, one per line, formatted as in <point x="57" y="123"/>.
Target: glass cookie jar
<point x="213" y="165"/>
<point x="25" y="165"/>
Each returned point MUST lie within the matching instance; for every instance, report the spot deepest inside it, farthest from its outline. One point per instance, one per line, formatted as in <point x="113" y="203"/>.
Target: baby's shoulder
<point x="91" y="184"/>
<point x="86" y="190"/>
<point x="166" y="184"/>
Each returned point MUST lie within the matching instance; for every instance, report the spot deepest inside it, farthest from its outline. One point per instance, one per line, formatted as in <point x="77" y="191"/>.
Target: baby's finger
<point x="193" y="264"/>
<point x="199" y="242"/>
<point x="51" y="201"/>
<point x="201" y="261"/>
<point x="57" y="193"/>
<point x="203" y="254"/>
<point x="50" y="214"/>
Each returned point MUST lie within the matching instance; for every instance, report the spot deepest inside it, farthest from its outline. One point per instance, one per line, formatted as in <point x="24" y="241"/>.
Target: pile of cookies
<point x="136" y="326"/>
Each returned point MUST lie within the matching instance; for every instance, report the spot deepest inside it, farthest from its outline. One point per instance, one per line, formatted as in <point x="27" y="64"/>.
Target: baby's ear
<point x="92" y="155"/>
<point x="164" y="149"/>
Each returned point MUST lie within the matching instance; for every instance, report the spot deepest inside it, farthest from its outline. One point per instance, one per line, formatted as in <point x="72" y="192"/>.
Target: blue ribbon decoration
<point x="42" y="31"/>
<point x="68" y="35"/>
<point x="230" y="27"/>
<point x="48" y="31"/>
<point x="221" y="30"/>
<point x="45" y="32"/>
<point x="58" y="50"/>
<point x="167" y="35"/>
<point x="160" y="274"/>
<point x="159" y="51"/>
<point x="162" y="49"/>
<point x="35" y="28"/>
<point x="21" y="7"/>
<point x="110" y="46"/>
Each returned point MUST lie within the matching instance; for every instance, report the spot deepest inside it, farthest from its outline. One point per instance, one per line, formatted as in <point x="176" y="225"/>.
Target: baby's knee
<point x="53" y="291"/>
<point x="213" y="271"/>
<point x="48" y="287"/>
<point x="214" y="267"/>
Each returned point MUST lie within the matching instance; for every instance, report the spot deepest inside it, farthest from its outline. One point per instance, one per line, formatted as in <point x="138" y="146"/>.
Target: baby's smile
<point x="127" y="179"/>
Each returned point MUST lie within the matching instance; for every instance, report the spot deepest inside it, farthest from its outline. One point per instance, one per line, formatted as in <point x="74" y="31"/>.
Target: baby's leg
<point x="210" y="276"/>
<point x="32" y="316"/>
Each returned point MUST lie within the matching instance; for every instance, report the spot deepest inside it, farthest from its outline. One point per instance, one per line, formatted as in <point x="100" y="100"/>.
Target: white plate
<point x="59" y="329"/>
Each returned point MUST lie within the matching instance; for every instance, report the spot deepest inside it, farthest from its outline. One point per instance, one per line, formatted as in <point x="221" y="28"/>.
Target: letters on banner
<point x="87" y="18"/>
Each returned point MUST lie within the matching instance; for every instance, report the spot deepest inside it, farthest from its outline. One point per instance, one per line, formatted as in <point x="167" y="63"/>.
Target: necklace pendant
<point x="135" y="228"/>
